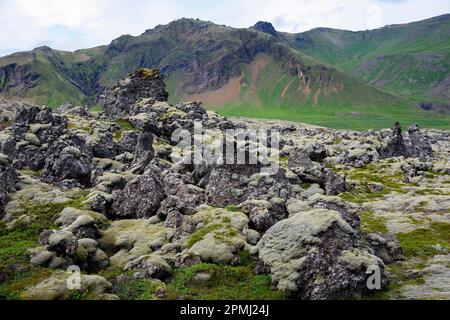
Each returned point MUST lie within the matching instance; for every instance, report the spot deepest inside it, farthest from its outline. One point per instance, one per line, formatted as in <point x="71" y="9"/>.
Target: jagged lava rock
<point x="68" y="163"/>
<point x="8" y="177"/>
<point x="315" y="254"/>
<point x="143" y="83"/>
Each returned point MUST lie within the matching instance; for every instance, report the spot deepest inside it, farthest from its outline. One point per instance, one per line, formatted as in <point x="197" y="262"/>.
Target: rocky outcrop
<point x="68" y="163"/>
<point x="417" y="145"/>
<point x="141" y="197"/>
<point x="420" y="145"/>
<point x="17" y="77"/>
<point x="315" y="254"/>
<point x="145" y="213"/>
<point x="394" y="145"/>
<point x="386" y="247"/>
<point x="74" y="244"/>
<point x="261" y="214"/>
<point x="7" y="113"/>
<point x="70" y="109"/>
<point x="144" y="83"/>
<point x="308" y="164"/>
<point x="144" y="153"/>
<point x="265" y="27"/>
<point x="8" y="177"/>
<point x="32" y="132"/>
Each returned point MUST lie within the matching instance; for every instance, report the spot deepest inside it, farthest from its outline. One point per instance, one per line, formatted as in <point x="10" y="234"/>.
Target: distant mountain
<point x="324" y="73"/>
<point x="412" y="60"/>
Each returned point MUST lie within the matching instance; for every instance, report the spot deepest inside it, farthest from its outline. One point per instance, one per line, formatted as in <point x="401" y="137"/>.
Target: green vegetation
<point x="213" y="282"/>
<point x="202" y="281"/>
<point x="370" y="174"/>
<point x="232" y="208"/>
<point x="136" y="289"/>
<point x="284" y="162"/>
<point x="437" y="192"/>
<point x="406" y="60"/>
<point x="15" y="269"/>
<point x="95" y="109"/>
<point x="421" y="243"/>
<point x="125" y="125"/>
<point x="357" y="107"/>
<point x="339" y="117"/>
<point x="330" y="90"/>
<point x="418" y="246"/>
<point x="398" y="279"/>
<point x="372" y="224"/>
<point x="130" y="288"/>
<point x="201" y="233"/>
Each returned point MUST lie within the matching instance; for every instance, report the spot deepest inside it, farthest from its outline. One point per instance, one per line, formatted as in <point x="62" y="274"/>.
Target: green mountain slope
<point x="412" y="60"/>
<point x="253" y="72"/>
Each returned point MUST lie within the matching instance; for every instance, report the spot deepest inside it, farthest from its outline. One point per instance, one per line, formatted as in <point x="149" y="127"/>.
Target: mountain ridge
<point x="232" y="68"/>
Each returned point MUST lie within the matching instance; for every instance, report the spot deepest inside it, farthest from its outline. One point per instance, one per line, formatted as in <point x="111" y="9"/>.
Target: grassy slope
<point x="407" y="60"/>
<point x="359" y="107"/>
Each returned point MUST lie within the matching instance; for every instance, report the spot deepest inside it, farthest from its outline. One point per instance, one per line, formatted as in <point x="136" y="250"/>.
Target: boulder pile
<point x="146" y="210"/>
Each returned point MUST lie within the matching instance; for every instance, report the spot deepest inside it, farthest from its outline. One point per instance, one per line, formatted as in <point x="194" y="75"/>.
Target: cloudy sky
<point x="75" y="24"/>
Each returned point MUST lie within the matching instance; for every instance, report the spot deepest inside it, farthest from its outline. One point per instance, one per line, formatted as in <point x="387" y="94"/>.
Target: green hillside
<point x="279" y="96"/>
<point x="411" y="60"/>
<point x="328" y="77"/>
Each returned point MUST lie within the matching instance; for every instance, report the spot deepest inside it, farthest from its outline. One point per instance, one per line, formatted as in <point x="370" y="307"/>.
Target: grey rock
<point x="316" y="255"/>
<point x="144" y="153"/>
<point x="420" y="145"/>
<point x="70" y="109"/>
<point x="26" y="114"/>
<point x="68" y="163"/>
<point x="141" y="198"/>
<point x="8" y="177"/>
<point x="144" y="83"/>
<point x="128" y="142"/>
<point x="335" y="184"/>
<point x="152" y="266"/>
<point x="386" y="247"/>
<point x="261" y="214"/>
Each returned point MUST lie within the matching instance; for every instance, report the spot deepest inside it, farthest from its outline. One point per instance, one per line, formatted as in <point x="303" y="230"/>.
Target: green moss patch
<point x="362" y="195"/>
<point x="284" y="162"/>
<point x="16" y="271"/>
<point x="129" y="288"/>
<point x="371" y="173"/>
<point x="434" y="192"/>
<point x="146" y="73"/>
<point x="420" y="243"/>
<point x="125" y="125"/>
<point x="136" y="289"/>
<point x="95" y="109"/>
<point x="213" y="282"/>
<point x="370" y="223"/>
<point x="201" y="233"/>
<point x="22" y="279"/>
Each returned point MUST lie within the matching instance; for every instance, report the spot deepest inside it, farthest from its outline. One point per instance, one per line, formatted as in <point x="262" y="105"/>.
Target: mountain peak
<point x="265" y="27"/>
<point x="43" y="48"/>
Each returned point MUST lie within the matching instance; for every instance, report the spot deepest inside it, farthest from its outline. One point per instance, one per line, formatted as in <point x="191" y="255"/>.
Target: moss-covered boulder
<point x="56" y="288"/>
<point x="127" y="240"/>
<point x="316" y="255"/>
<point x="218" y="237"/>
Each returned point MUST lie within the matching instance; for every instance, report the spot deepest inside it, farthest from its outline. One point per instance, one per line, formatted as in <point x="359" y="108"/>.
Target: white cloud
<point x="74" y="24"/>
<point x="71" y="14"/>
